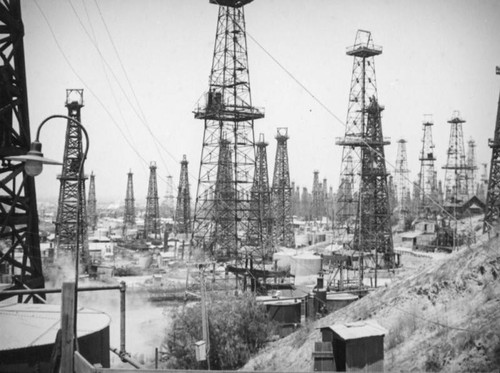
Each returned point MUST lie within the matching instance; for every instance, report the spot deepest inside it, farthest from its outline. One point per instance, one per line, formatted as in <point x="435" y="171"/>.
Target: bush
<point x="238" y="327"/>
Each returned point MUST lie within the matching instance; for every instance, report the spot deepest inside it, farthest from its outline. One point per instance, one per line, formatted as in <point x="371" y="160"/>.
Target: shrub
<point x="238" y="327"/>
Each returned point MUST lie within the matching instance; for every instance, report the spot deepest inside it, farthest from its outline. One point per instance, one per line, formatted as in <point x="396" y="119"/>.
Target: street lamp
<point x="33" y="166"/>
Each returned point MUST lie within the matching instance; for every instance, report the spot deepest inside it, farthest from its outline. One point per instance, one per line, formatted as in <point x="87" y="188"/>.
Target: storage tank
<point x="306" y="264"/>
<point x="286" y="313"/>
<point x="284" y="260"/>
<point x="336" y="301"/>
<point x="29" y="332"/>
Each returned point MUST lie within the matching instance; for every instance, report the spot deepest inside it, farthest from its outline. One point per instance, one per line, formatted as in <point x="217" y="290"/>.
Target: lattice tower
<point x="129" y="214"/>
<point x="168" y="205"/>
<point x="305" y="203"/>
<point x="471" y="163"/>
<point x="346" y="202"/>
<point x="373" y="232"/>
<point x="316" y="197"/>
<point x="493" y="194"/>
<point x="92" y="205"/>
<point x="71" y="210"/>
<point x="152" y="222"/>
<point x="298" y="202"/>
<point x="324" y="196"/>
<point x="363" y="88"/>
<point x="228" y="111"/>
<point x="483" y="185"/>
<point x="427" y="187"/>
<point x="20" y="256"/>
<point x="402" y="185"/>
<point x="282" y="193"/>
<point x="221" y="242"/>
<point x="261" y="198"/>
<point x="183" y="210"/>
<point x="456" y="180"/>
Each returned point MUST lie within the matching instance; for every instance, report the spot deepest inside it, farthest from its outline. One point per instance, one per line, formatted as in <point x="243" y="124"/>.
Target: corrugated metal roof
<point x="356" y="330"/>
<point x="25" y="325"/>
<point x="412" y="234"/>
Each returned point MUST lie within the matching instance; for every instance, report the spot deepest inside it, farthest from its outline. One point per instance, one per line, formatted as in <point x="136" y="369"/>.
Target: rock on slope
<point x="441" y="316"/>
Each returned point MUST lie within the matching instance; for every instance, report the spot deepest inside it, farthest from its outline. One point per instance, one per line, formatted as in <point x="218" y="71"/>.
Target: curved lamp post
<point x="33" y="165"/>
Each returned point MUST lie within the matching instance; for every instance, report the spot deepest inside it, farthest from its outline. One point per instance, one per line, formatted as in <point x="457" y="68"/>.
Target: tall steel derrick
<point x="261" y="199"/>
<point x="493" y="194"/>
<point x="457" y="170"/>
<point x="152" y="223"/>
<point x="92" y="205"/>
<point x="167" y="208"/>
<point x="402" y="184"/>
<point x="373" y="230"/>
<point x="471" y="163"/>
<point x="18" y="209"/>
<point x="222" y="223"/>
<point x="364" y="142"/>
<point x="183" y="207"/>
<point x="72" y="206"/>
<point x="363" y="90"/>
<point x="317" y="198"/>
<point x="427" y="183"/>
<point x="281" y="193"/>
<point x="129" y="213"/>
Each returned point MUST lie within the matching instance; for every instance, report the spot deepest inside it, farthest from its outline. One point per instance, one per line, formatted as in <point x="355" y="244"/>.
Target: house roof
<point x="356" y="330"/>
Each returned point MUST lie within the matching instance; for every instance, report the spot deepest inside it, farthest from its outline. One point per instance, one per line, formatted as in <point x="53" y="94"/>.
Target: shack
<point x="356" y="346"/>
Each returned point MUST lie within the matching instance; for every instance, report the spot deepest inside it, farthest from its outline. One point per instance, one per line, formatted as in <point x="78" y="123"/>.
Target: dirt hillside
<point x="442" y="315"/>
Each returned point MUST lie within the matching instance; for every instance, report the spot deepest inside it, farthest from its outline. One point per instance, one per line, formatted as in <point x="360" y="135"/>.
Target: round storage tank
<point x="306" y="264"/>
<point x="29" y="332"/>
<point x="284" y="311"/>
<point x="335" y="301"/>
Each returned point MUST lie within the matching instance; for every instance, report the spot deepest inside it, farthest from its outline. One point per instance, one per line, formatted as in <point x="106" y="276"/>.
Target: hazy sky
<point x="144" y="65"/>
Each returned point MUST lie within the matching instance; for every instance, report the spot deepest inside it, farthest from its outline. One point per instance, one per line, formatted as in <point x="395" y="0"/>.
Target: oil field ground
<point x="442" y="314"/>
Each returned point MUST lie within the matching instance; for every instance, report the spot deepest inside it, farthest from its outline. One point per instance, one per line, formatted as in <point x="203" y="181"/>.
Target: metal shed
<point x="356" y="346"/>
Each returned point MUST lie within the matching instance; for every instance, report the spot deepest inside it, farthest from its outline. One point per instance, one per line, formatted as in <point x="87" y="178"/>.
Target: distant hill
<point x="443" y="315"/>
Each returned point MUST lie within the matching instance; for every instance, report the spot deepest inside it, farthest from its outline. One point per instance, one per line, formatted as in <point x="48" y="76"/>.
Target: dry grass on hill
<point x="442" y="315"/>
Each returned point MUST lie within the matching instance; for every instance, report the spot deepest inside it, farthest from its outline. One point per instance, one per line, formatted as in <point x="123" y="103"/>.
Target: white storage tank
<point x="305" y="264"/>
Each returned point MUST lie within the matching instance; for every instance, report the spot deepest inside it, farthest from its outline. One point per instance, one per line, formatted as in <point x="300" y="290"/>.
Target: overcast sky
<point x="144" y="65"/>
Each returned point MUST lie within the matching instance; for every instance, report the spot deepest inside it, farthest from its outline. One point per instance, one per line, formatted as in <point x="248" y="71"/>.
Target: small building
<point x="357" y="345"/>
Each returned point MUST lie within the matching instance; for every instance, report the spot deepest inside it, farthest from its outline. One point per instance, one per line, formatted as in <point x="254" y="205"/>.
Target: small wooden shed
<point x="357" y="345"/>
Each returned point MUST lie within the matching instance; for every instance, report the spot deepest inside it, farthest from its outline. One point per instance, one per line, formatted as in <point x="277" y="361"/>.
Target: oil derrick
<point x="363" y="90"/>
<point x="92" y="205"/>
<point x="224" y="201"/>
<point x="305" y="204"/>
<point x="346" y="200"/>
<point x="228" y="111"/>
<point x="295" y="199"/>
<point x="282" y="193"/>
<point x="183" y="208"/>
<point x="261" y="198"/>
<point x="18" y="212"/>
<point x="492" y="213"/>
<point x="373" y="231"/>
<point x="427" y="188"/>
<point x="316" y="197"/>
<point x="483" y="184"/>
<point x="152" y="223"/>
<point x="167" y="207"/>
<point x="324" y="194"/>
<point x="472" y="167"/>
<point x="456" y="180"/>
<point x="402" y="186"/>
<point x="71" y="210"/>
<point x="129" y="214"/>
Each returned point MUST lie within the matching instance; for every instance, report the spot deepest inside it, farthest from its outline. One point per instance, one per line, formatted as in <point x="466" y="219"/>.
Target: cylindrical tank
<point x="284" y="311"/>
<point x="306" y="264"/>
<point x="335" y="301"/>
